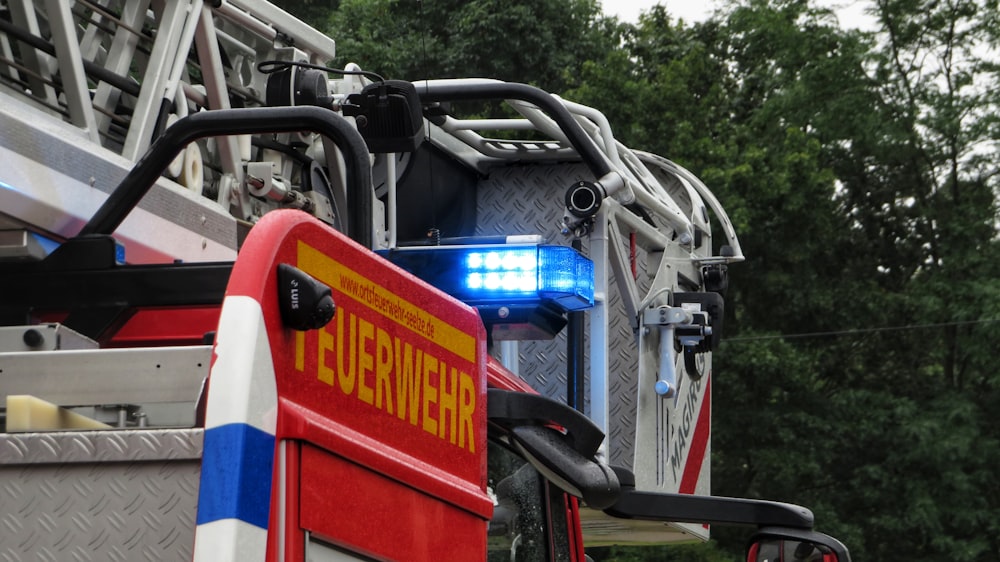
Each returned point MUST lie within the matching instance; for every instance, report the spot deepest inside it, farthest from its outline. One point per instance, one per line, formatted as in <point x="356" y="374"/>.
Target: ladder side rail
<point x="167" y="49"/>
<point x="74" y="78"/>
<point x="37" y="64"/>
<point x="117" y="59"/>
<point x="214" y="78"/>
<point x="707" y="196"/>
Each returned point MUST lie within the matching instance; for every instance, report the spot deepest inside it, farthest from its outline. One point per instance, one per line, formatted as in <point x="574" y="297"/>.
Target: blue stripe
<point x="236" y="472"/>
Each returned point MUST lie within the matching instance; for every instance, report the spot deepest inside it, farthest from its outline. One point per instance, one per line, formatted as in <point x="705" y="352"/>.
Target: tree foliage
<point x="540" y="42"/>
<point x="313" y="12"/>
<point x="860" y="169"/>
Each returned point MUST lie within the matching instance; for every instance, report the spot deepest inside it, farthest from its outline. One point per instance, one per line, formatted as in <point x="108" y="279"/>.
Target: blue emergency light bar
<point x="503" y="275"/>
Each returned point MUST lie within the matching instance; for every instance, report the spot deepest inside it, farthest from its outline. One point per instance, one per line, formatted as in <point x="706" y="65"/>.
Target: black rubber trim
<point x="515" y="408"/>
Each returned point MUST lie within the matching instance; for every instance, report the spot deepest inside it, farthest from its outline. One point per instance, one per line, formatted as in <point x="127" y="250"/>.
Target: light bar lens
<point x="504" y="275"/>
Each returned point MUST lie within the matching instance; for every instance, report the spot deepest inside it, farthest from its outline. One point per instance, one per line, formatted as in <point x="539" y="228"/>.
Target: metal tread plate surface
<point x="529" y="200"/>
<point x="99" y="495"/>
<point x="100" y="446"/>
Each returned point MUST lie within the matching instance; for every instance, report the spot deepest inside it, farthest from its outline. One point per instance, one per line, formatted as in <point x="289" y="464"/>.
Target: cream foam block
<point x="28" y="413"/>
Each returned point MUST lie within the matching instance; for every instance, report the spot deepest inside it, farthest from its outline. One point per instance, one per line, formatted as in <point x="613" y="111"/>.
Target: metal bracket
<point x="666" y="319"/>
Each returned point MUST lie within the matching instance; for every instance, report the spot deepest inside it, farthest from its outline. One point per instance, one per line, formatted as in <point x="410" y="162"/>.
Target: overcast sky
<point x="850" y="12"/>
<point x="628" y="10"/>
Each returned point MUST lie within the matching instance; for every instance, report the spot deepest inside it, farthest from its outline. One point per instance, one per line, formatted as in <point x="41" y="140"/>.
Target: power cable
<point x="860" y="331"/>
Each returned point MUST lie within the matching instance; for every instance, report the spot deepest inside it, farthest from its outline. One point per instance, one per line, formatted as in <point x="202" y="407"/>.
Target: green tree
<point x="538" y="42"/>
<point x="742" y="102"/>
<point x="313" y="12"/>
<point x="888" y="435"/>
<point x="860" y="171"/>
<point x="924" y="182"/>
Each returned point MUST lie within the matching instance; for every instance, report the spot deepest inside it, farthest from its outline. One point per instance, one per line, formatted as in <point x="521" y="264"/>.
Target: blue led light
<point x="565" y="276"/>
<point x="504" y="275"/>
<point x="493" y="260"/>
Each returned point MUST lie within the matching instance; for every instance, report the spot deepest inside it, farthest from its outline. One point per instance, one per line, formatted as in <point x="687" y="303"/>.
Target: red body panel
<point x="498" y="376"/>
<point x="167" y="326"/>
<point x="384" y="408"/>
<point x="351" y="506"/>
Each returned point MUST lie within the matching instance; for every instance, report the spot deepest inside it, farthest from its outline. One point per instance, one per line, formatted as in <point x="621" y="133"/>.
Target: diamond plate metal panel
<point x="530" y="200"/>
<point x="100" y="446"/>
<point x="525" y="199"/>
<point x="108" y="496"/>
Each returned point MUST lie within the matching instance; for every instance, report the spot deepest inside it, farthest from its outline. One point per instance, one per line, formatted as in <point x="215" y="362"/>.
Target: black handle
<point x="242" y="122"/>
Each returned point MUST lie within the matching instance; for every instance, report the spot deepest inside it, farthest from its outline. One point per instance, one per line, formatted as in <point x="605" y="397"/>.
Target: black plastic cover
<point x="388" y="115"/>
<point x="306" y="304"/>
<point x="296" y="86"/>
<point x="714" y="305"/>
<point x="593" y="480"/>
<point x="567" y="456"/>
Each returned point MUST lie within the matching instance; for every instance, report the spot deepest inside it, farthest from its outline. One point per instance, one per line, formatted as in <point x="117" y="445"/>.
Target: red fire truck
<point x="250" y="312"/>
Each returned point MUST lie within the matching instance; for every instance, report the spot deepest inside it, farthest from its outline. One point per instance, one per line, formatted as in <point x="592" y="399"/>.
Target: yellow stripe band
<point x="386" y="303"/>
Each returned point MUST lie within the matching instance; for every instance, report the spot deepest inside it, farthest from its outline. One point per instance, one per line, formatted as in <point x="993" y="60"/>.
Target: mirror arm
<point x="686" y="508"/>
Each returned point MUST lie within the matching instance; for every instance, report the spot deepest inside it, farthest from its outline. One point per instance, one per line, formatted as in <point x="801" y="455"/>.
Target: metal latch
<point x="680" y="325"/>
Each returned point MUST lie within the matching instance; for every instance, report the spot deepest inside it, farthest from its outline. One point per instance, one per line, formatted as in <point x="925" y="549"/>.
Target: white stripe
<point x="241" y="390"/>
<point x="242" y="382"/>
<point x="229" y="540"/>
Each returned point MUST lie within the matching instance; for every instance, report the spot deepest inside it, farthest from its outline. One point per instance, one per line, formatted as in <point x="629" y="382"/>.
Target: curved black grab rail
<point x="242" y="122"/>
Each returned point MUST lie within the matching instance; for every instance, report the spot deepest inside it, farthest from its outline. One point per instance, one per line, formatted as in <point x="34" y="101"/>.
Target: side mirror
<point x="781" y="544"/>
